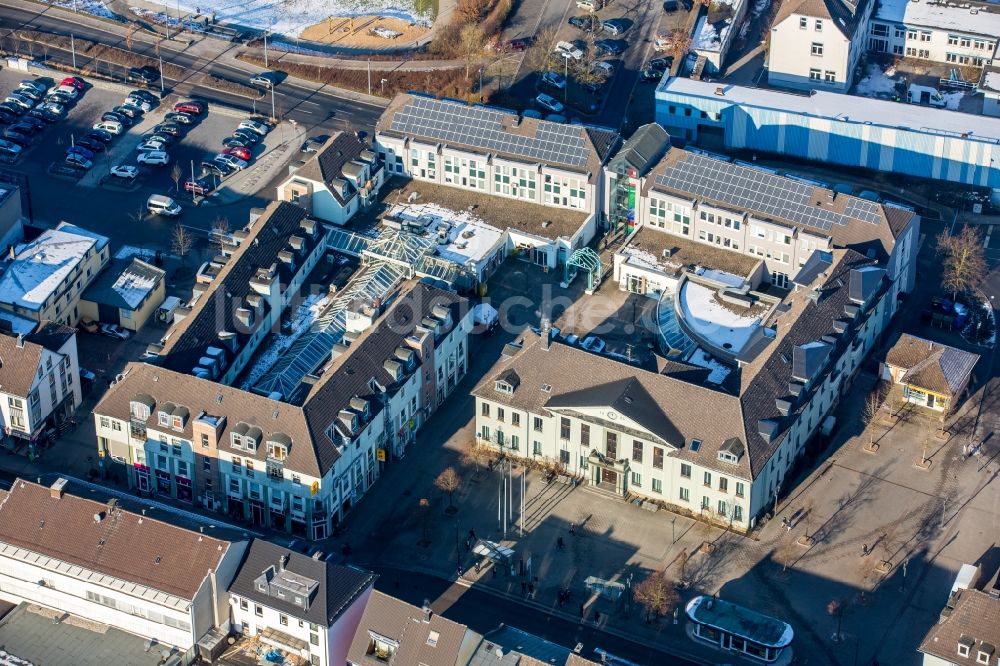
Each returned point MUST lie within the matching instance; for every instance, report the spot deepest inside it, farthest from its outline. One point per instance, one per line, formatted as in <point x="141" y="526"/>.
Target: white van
<point x="925" y="95"/>
<point x="590" y="5"/>
<point x="158" y="204"/>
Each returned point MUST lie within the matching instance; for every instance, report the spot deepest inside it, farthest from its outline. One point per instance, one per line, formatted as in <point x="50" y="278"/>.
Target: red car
<point x="74" y="81"/>
<point x="242" y="153"/>
<point x="192" y="107"/>
<point x="520" y="44"/>
<point x="202" y="186"/>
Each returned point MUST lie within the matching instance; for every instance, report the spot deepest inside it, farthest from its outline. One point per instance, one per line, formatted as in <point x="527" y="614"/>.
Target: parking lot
<point x="111" y="205"/>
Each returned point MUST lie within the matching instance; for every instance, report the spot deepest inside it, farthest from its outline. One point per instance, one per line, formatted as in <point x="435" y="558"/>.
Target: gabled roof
<point x="328" y="164"/>
<point x="51" y="335"/>
<point x="818" y="262"/>
<point x="125" y="284"/>
<point x="134" y="548"/>
<point x="975" y="622"/>
<point x="644" y="148"/>
<point x="627" y="397"/>
<point x="929" y="365"/>
<point x="339" y="586"/>
<point x="18" y="365"/>
<point x="845" y="14"/>
<point x="214" y="310"/>
<point x="414" y="631"/>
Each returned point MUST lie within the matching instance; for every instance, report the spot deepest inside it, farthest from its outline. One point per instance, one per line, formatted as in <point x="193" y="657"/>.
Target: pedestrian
<point x="572" y="529"/>
<point x="472" y="533"/>
<point x="788" y="524"/>
<point x="597" y="616"/>
<point x="531" y="589"/>
<point x="864" y="550"/>
<point x="477" y="566"/>
<point x="524" y="587"/>
<point x="560" y="543"/>
<point x="494" y="572"/>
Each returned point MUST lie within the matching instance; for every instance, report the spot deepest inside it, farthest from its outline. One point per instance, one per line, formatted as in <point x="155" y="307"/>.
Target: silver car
<point x="232" y="161"/>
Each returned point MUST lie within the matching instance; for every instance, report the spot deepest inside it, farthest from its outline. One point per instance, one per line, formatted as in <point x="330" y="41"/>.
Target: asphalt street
<point x="483" y="612"/>
<point x="307" y="103"/>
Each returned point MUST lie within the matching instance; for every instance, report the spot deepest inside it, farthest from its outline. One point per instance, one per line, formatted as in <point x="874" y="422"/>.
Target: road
<point x="307" y="103"/>
<point x="482" y="612"/>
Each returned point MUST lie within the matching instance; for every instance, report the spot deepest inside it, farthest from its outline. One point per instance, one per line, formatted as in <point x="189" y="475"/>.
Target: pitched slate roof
<point x="134" y="548"/>
<point x="727" y="416"/>
<point x="339" y="586"/>
<point x="644" y="148"/>
<point x="406" y="624"/>
<point x="125" y="284"/>
<point x="18" y="365"/>
<point x="215" y="310"/>
<point x="327" y="165"/>
<point x="975" y="622"/>
<point x="930" y="365"/>
<point x="846" y="15"/>
<point x="520" y="648"/>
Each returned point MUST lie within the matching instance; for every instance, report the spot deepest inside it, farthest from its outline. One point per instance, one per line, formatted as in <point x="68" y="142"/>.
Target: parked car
<point x="192" y="107"/>
<point x="30" y="93"/>
<point x="65" y="169"/>
<point x="168" y="128"/>
<point x="93" y="145"/>
<point x="126" y="171"/>
<point x="45" y="115"/>
<point x="569" y="50"/>
<point x="35" y="84"/>
<point x="10" y="147"/>
<point x="20" y="138"/>
<point x="217" y="168"/>
<point x="74" y="81"/>
<point x="550" y="103"/>
<point x="111" y="126"/>
<point x="670" y="5"/>
<point x="247" y="135"/>
<point x="101" y="135"/>
<point x="235" y="142"/>
<point x="79" y="161"/>
<point x="312" y="144"/>
<point x="146" y="74"/>
<point x="139" y="104"/>
<point x="586" y="23"/>
<point x="590" y="5"/>
<point x="520" y="43"/>
<point x="255" y="126"/>
<point x="25" y="127"/>
<point x="58" y="98"/>
<point x="6" y="117"/>
<point x="118" y="118"/>
<point x="153" y="158"/>
<point x="25" y="103"/>
<point x="15" y="110"/>
<point x="553" y="80"/>
<point x="660" y="64"/>
<point x="242" y="153"/>
<point x="165" y="139"/>
<point x="201" y="186"/>
<point x="609" y="46"/>
<point x="614" y="26"/>
<point x="144" y="95"/>
<point x="81" y="151"/>
<point x="115" y="331"/>
<point x="70" y="91"/>
<point x="650" y="75"/>
<point x="178" y="117"/>
<point x="51" y="108"/>
<point x="129" y="111"/>
<point x="593" y="343"/>
<point x="88" y="325"/>
<point x="603" y="68"/>
<point x="232" y="161"/>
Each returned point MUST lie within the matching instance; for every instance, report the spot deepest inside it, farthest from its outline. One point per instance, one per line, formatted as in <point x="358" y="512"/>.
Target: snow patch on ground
<point x="92" y="7"/>
<point x="711" y="320"/>
<point x="719" y="371"/>
<point x="291" y="17"/>
<point x="302" y="319"/>
<point x="171" y="21"/>
<point x="877" y="83"/>
<point x="952" y="99"/>
<point x="130" y="251"/>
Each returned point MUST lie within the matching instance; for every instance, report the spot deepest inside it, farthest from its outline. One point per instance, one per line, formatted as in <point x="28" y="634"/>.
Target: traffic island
<point x="870" y="447"/>
<point x="923" y="464"/>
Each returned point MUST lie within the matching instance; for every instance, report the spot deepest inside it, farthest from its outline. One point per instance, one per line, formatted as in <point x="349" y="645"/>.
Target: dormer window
<point x="141" y="406"/>
<point x="731" y="451"/>
<point x="380" y="647"/>
<point x="965" y="644"/>
<point x="165" y="416"/>
<point x="277" y="451"/>
<point x="985" y="653"/>
<point x="725" y="456"/>
<point x="504" y="387"/>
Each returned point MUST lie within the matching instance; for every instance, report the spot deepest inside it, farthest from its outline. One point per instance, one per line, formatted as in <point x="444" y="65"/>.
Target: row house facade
<point x="293" y="467"/>
<point x="665" y="433"/>
<point x="39" y="381"/>
<point x="755" y="212"/>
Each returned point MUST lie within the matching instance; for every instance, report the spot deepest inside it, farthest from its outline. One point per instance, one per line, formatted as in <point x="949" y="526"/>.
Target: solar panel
<point x="752" y="189"/>
<point x="483" y="128"/>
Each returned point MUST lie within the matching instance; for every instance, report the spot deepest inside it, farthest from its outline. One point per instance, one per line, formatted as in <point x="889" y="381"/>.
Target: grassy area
<point x="426" y="8"/>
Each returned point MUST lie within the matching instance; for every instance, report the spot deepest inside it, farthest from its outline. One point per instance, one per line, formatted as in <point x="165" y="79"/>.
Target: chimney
<point x="20" y="340"/>
<point x="546" y="333"/>
<point x="427" y="610"/>
<point x="57" y="488"/>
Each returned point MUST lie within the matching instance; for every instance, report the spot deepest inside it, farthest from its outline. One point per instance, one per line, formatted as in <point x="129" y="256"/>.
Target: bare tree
<point x="181" y="241"/>
<point x="869" y="414"/>
<point x="176" y="173"/>
<point x="682" y="562"/>
<point x="449" y="481"/>
<point x="786" y="553"/>
<point x="835" y="608"/>
<point x="537" y="55"/>
<point x="656" y="594"/>
<point x="678" y="43"/>
<point x="129" y="35"/>
<point x="963" y="260"/>
<point x="946" y="413"/>
<point x="219" y="232"/>
<point x="471" y="40"/>
<point x="476" y="453"/>
<point x="895" y="399"/>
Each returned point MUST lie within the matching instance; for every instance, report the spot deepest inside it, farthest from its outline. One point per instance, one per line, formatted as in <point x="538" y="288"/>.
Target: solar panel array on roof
<point x="755" y="190"/>
<point x="482" y="128"/>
